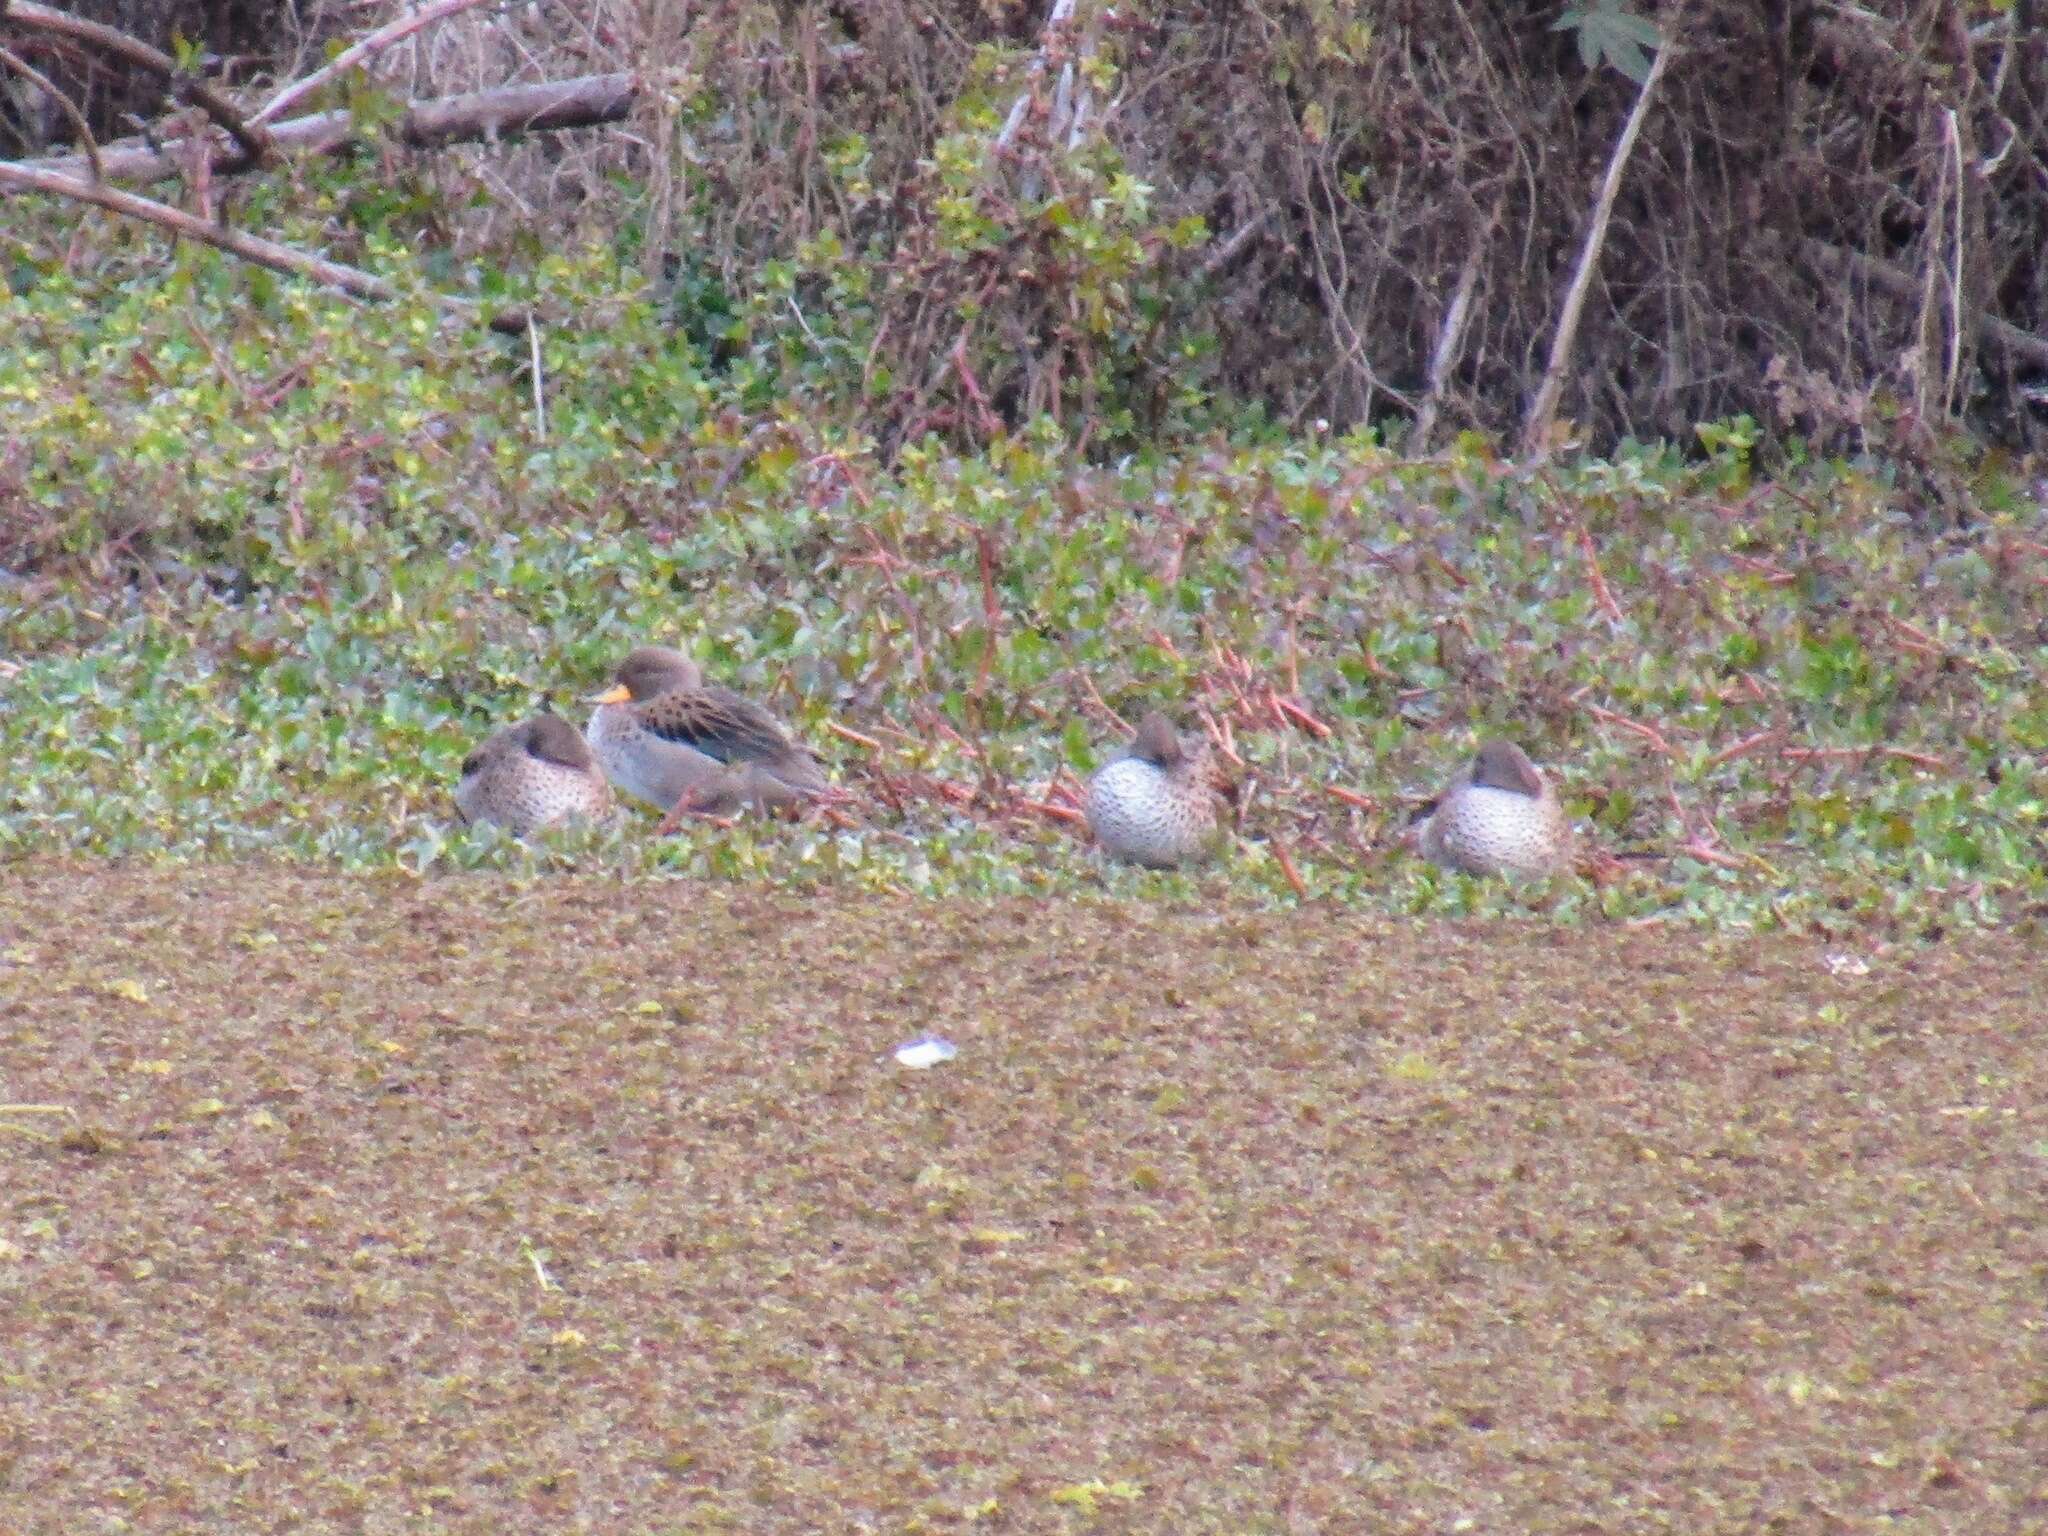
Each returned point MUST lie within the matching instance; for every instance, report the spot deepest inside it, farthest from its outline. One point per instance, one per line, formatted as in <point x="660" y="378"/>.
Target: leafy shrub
<point x="944" y="216"/>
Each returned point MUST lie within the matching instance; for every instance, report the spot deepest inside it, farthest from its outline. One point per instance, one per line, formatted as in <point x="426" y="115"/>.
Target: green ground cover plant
<point x="277" y="562"/>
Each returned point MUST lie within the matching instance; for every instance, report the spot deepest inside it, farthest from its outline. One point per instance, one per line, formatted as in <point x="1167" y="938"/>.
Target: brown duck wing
<point x="719" y="723"/>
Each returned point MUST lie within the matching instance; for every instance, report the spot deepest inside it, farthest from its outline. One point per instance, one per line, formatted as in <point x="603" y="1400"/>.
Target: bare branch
<point x="1543" y="409"/>
<point x="43" y="83"/>
<point x="1450" y="335"/>
<point x="153" y="160"/>
<point x="265" y="253"/>
<point x="359" y="53"/>
<point x="254" y="141"/>
<point x="1062" y="11"/>
<point x="1238" y="239"/>
<point x="1956" y="321"/>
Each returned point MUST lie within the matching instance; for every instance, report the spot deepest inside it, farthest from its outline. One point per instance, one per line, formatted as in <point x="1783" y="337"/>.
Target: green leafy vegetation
<point x="283" y="561"/>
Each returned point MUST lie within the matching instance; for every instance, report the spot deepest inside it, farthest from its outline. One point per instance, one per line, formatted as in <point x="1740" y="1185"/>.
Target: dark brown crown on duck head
<point x="1503" y="765"/>
<point x="554" y="740"/>
<point x="546" y="737"/>
<point x="1157" y="742"/>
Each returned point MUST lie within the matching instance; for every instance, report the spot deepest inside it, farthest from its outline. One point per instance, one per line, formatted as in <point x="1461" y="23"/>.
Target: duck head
<point x="647" y="672"/>
<point x="1503" y="765"/>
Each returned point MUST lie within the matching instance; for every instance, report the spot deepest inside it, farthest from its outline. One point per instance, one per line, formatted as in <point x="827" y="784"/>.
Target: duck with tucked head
<point x="1161" y="803"/>
<point x="667" y="737"/>
<point x="1499" y="816"/>
<point x="532" y="775"/>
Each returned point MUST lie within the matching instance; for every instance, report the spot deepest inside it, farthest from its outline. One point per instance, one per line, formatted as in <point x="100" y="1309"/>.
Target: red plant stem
<point x="1918" y="759"/>
<point x="1220" y="735"/>
<point x="1699" y="849"/>
<point x="1303" y="718"/>
<point x="1100" y="703"/>
<point x="1047" y="808"/>
<point x="1230" y="681"/>
<point x="852" y="735"/>
<point x="1287" y="868"/>
<point x="1649" y="733"/>
<point x="1917" y="639"/>
<point x="985" y="418"/>
<point x="1772" y="575"/>
<point x="1746" y="683"/>
<point x="945" y="728"/>
<point x="1743" y="747"/>
<point x="991" y="611"/>
<point x="1603" y="598"/>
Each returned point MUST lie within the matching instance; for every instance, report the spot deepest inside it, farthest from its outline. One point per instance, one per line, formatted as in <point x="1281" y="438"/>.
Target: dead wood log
<point x="1905" y="287"/>
<point x="583" y="102"/>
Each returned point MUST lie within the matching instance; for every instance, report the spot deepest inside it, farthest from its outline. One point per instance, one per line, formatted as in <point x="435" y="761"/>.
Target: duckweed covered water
<point x="570" y="1202"/>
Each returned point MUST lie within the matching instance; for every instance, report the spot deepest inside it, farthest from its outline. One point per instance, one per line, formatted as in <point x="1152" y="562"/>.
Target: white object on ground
<point x="925" y="1051"/>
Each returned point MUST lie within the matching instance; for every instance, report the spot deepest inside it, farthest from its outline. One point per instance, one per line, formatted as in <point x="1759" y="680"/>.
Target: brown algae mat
<point x="377" y="1205"/>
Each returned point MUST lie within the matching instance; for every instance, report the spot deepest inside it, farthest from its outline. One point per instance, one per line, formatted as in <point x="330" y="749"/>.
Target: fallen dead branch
<point x="584" y="102"/>
<point x="563" y="104"/>
<point x="1902" y="286"/>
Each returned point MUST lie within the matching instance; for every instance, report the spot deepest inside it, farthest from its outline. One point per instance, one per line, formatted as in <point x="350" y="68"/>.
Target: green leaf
<point x="1607" y="33"/>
